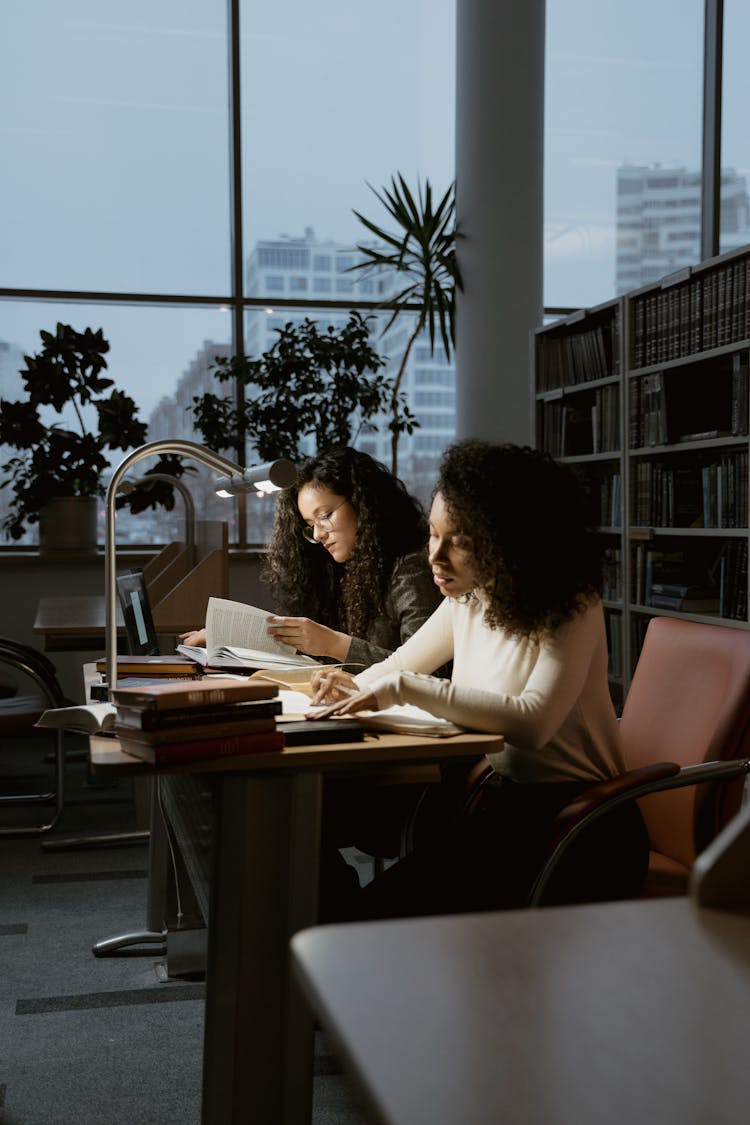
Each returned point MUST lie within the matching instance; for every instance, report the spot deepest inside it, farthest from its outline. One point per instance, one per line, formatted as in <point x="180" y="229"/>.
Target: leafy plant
<point x="326" y="385"/>
<point x="53" y="460"/>
<point x="423" y="250"/>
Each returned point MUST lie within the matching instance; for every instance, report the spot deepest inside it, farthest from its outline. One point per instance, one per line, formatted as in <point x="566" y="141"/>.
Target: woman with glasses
<point x="347" y="563"/>
<point x="347" y="560"/>
<point x="518" y="565"/>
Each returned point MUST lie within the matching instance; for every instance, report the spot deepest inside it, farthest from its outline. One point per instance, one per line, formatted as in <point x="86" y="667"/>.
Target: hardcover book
<point x="135" y="718"/>
<point x="137" y="665"/>
<point x="203" y="693"/>
<point x="187" y="732"/>
<point x="195" y="749"/>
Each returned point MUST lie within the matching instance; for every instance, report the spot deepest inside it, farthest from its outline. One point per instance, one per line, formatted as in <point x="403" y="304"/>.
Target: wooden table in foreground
<point x="614" y="1013"/>
<point x="258" y="1048"/>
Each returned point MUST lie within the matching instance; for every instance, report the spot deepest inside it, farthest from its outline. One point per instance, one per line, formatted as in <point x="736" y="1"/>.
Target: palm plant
<point x="424" y="251"/>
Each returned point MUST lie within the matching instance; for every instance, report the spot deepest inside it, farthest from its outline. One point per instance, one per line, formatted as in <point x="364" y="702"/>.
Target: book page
<point x="259" y="658"/>
<point x="236" y="625"/>
<point x="294" y="703"/>
<point x="88" y="718"/>
<point x="405" y="718"/>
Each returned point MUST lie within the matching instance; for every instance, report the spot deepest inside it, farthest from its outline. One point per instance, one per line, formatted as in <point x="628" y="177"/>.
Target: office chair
<point x="685" y="731"/>
<point x="19" y="713"/>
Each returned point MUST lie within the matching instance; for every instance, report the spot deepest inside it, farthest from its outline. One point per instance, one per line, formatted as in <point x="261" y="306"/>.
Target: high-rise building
<point x="659" y="221"/>
<point x="306" y="267"/>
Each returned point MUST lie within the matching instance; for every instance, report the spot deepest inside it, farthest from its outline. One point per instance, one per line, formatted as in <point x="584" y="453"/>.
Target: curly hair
<point x="534" y="550"/>
<point x="305" y="580"/>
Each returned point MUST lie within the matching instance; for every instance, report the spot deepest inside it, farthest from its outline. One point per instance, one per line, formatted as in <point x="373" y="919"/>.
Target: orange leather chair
<point x="19" y="713"/>
<point x="686" y="739"/>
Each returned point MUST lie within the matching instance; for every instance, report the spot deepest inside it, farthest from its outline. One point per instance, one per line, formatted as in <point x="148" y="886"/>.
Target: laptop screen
<point x="136" y="612"/>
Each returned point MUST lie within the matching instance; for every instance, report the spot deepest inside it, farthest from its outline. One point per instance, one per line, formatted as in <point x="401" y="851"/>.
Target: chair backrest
<point x="19" y="712"/>
<point x="689" y="702"/>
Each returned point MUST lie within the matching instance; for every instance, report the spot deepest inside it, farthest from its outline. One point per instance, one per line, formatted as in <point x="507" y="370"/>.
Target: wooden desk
<point x="258" y="1047"/>
<point x="70" y="624"/>
<point x="616" y="1013"/>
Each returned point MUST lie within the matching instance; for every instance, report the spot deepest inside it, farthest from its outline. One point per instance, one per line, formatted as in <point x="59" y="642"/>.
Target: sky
<point x="113" y="129"/>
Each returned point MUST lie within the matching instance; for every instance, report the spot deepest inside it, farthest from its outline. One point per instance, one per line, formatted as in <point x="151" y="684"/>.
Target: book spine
<point x="155" y="674"/>
<point x="205" y="748"/>
<point x="199" y="696"/>
<point x="172" y="735"/>
<point x="135" y="718"/>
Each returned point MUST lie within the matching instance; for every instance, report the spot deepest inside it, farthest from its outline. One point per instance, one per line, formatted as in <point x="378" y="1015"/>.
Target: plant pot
<point x="68" y="523"/>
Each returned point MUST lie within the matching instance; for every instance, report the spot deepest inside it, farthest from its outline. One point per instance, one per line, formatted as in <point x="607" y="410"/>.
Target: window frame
<point x="239" y="302"/>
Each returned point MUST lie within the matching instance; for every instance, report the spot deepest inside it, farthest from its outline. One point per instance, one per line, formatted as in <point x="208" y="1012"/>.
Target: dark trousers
<point x="488" y="860"/>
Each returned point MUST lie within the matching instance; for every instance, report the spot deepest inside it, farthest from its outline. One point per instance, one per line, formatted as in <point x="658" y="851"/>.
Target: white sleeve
<point x="530" y="719"/>
<point x="427" y="649"/>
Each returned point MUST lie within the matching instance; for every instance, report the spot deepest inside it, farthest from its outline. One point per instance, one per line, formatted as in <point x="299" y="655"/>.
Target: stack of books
<point x="210" y="718"/>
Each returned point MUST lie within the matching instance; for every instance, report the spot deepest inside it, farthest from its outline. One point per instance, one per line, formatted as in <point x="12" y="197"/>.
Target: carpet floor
<point x="87" y="1040"/>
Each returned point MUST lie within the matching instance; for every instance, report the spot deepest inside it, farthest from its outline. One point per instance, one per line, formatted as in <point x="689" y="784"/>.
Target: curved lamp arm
<point x="184" y="492"/>
<point x="183" y="448"/>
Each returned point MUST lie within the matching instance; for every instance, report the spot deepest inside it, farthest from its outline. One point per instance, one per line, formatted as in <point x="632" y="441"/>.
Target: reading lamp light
<point x="232" y="480"/>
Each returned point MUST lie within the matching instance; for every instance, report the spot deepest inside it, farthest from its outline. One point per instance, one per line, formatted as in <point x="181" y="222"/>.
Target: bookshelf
<point x="647" y="396"/>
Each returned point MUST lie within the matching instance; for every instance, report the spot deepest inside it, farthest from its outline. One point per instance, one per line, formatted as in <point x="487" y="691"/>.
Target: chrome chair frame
<point x="39" y="669"/>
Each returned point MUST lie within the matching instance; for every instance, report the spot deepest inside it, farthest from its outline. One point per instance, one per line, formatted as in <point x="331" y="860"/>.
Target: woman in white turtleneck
<point x="513" y="553"/>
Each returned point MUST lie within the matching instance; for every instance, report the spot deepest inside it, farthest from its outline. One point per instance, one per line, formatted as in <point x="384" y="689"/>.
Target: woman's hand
<point x="361" y="701"/>
<point x="195" y="639"/>
<point x="331" y="686"/>
<point x="308" y="636"/>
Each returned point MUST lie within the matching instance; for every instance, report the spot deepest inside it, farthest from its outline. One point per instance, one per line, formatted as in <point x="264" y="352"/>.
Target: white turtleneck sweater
<point x="550" y="699"/>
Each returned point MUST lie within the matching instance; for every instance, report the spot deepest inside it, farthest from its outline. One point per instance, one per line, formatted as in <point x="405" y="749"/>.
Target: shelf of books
<point x="663" y="449"/>
<point x="578" y="415"/>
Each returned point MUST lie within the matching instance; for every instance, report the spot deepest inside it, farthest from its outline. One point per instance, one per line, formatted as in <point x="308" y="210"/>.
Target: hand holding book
<point x="237" y="636"/>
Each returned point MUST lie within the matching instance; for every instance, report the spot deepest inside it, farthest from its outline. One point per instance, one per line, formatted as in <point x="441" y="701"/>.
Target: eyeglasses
<point x="322" y="523"/>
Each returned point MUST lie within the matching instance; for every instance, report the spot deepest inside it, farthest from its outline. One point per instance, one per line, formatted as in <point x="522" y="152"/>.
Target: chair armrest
<point x="598" y="796"/>
<point x="575" y="817"/>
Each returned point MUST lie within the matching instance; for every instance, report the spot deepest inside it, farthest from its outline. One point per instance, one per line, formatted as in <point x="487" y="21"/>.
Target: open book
<point x="405" y="718"/>
<point x="91" y="718"/>
<point x="237" y="637"/>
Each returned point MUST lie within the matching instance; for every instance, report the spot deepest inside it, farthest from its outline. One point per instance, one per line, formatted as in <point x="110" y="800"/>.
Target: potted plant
<point x="423" y="250"/>
<point x="56" y="468"/>
<point x="312" y="383"/>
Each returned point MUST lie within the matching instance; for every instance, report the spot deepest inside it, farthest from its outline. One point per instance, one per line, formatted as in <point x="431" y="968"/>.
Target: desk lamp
<point x="233" y="479"/>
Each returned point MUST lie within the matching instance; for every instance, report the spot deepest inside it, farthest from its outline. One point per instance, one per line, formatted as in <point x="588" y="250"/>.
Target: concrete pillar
<point x="499" y="193"/>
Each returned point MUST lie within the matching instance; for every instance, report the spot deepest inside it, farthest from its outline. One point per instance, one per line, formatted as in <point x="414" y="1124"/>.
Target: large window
<point x="623" y="116"/>
<point x="735" y="139"/>
<point x="160" y="355"/>
<point x="117" y="182"/>
<point x="115" y="171"/>
<point x="338" y="94"/>
<point x="118" y="131"/>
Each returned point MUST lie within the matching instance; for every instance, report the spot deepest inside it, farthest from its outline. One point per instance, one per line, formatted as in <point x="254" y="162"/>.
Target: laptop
<point x="136" y="613"/>
<point x="140" y="631"/>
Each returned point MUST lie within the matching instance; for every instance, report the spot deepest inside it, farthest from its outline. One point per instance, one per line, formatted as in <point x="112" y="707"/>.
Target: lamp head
<point x="268" y="477"/>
